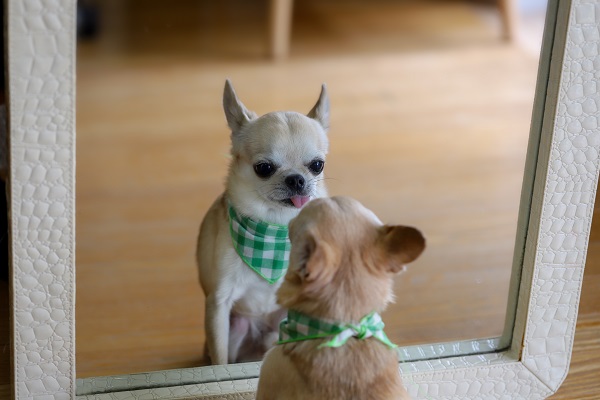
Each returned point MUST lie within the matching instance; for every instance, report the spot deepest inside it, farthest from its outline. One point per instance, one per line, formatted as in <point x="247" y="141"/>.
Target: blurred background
<point x="430" y="111"/>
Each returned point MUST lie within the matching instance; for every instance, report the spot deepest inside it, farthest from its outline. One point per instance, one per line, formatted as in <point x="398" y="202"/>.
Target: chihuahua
<point x="332" y="345"/>
<point x="276" y="167"/>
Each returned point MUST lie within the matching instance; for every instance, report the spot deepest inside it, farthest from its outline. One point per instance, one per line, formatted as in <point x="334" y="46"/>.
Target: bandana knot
<point x="362" y="331"/>
<point x="263" y="246"/>
<point x="298" y="327"/>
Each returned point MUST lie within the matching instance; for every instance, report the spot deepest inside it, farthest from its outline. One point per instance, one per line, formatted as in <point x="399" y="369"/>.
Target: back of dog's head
<point x="343" y="259"/>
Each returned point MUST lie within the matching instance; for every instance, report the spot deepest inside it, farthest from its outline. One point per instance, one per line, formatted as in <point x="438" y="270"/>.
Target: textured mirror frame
<point x="562" y="168"/>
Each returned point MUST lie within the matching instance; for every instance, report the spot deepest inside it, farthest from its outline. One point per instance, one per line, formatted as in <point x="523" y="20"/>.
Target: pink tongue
<point x="300" y="201"/>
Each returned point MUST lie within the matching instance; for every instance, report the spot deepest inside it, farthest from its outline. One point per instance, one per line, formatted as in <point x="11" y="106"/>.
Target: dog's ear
<point x="236" y="113"/>
<point x="399" y="245"/>
<point x="320" y="112"/>
<point x="316" y="264"/>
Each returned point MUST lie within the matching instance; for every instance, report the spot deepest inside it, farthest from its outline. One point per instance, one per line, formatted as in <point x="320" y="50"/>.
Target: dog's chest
<point x="254" y="295"/>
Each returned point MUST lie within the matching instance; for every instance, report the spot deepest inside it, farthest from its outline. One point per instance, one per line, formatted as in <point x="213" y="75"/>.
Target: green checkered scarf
<point x="298" y="327"/>
<point x="264" y="247"/>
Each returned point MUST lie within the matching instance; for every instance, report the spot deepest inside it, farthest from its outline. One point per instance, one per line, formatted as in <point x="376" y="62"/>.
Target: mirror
<point x="152" y="148"/>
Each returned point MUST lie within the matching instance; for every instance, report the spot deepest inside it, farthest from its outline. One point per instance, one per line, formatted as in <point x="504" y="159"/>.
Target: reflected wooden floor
<point x="432" y="135"/>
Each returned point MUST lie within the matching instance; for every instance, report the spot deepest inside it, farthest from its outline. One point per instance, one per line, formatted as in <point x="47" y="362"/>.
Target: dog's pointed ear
<point x="320" y="112"/>
<point x="316" y="264"/>
<point x="236" y="113"/>
<point x="399" y="245"/>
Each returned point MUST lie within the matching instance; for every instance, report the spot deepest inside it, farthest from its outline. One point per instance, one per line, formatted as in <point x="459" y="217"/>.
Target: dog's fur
<point x="241" y="312"/>
<point x="341" y="268"/>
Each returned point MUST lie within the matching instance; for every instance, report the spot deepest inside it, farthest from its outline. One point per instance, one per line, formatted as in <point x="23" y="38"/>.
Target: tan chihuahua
<point x="332" y="344"/>
<point x="243" y="247"/>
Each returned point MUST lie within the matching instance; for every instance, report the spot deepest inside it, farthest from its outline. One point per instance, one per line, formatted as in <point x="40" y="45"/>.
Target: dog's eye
<point x="316" y="166"/>
<point x="264" y="169"/>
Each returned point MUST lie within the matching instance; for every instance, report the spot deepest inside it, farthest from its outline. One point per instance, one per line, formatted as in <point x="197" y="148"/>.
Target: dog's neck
<point x="348" y="297"/>
<point x="299" y="327"/>
<point x="264" y="247"/>
<point x="259" y="210"/>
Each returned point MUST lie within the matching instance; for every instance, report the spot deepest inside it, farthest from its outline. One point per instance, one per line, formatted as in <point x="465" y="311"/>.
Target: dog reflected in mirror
<point x="276" y="168"/>
<point x="332" y="344"/>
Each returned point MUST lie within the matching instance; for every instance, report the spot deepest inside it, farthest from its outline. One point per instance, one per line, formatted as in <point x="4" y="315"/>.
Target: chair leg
<point x="280" y="28"/>
<point x="508" y="14"/>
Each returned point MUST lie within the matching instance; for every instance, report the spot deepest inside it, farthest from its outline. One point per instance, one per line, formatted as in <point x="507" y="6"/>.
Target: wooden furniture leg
<point x="508" y="14"/>
<point x="280" y="24"/>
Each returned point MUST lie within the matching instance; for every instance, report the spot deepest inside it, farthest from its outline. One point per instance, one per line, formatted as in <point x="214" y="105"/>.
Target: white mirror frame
<point x="562" y="168"/>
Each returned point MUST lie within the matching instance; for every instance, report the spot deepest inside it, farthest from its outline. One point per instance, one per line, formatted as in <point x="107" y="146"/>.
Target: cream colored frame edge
<point x="41" y="82"/>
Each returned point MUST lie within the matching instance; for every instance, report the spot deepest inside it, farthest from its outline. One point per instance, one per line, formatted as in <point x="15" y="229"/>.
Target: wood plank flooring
<point x="151" y="159"/>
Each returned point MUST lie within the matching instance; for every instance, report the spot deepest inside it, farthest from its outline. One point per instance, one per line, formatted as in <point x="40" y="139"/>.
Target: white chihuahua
<point x="243" y="247"/>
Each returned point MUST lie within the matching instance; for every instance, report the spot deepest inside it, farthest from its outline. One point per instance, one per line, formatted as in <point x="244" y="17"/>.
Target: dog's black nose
<point x="295" y="182"/>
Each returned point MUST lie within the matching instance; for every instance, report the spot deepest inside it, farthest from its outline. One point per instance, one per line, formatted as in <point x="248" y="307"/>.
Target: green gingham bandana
<point x="264" y="247"/>
<point x="298" y="327"/>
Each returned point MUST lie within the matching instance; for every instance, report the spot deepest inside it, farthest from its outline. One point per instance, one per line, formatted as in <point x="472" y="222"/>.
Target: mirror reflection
<point x="430" y="109"/>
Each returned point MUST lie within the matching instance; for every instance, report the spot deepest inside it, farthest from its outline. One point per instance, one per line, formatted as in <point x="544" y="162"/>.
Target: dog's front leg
<point x="217" y="328"/>
<point x="239" y="327"/>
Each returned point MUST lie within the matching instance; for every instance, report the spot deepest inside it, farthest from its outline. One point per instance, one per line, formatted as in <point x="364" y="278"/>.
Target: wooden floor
<point x="152" y="145"/>
<point x="430" y="119"/>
